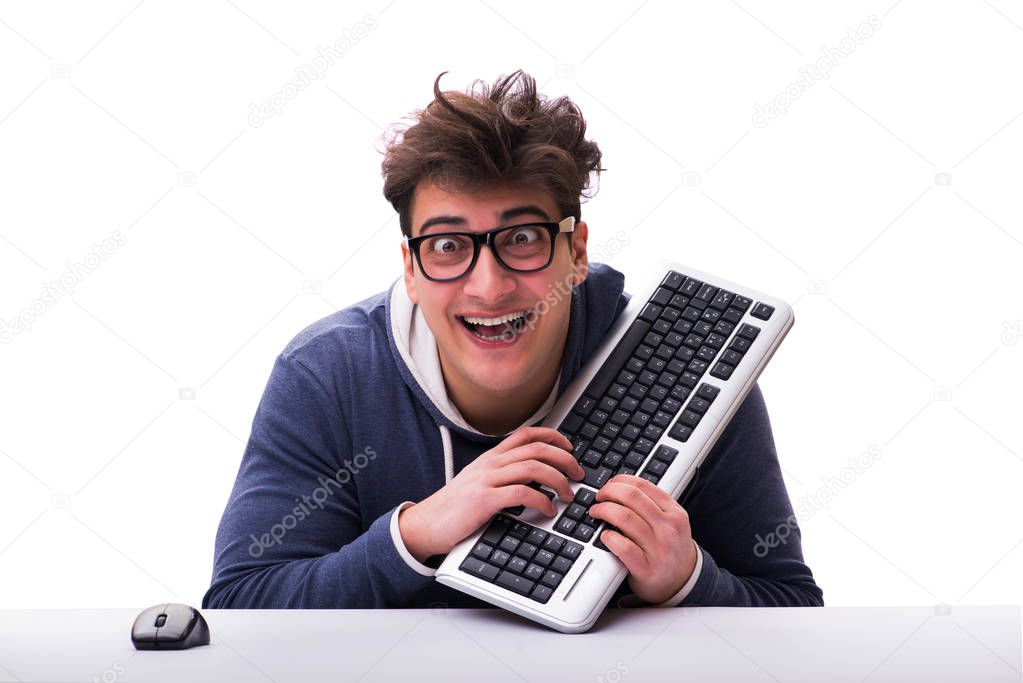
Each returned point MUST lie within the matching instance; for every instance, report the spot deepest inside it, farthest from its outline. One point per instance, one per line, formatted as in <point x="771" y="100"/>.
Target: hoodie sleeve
<point x="292" y="535"/>
<point x="742" y="520"/>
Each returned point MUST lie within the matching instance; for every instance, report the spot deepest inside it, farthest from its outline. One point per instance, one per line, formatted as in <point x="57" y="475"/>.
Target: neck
<point x="499" y="412"/>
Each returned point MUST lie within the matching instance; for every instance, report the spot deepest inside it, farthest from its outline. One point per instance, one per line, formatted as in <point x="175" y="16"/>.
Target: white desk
<point x="969" y="644"/>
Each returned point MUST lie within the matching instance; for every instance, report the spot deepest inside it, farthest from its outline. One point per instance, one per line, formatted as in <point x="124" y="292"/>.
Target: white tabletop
<point x="682" y="644"/>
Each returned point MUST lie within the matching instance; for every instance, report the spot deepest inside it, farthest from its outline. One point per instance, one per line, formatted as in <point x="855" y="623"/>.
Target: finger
<point x="520" y="494"/>
<point x="526" y="435"/>
<point x="629" y="522"/>
<point x="525" y="471"/>
<point x="659" y="496"/>
<point x="543" y="452"/>
<point x="626" y="550"/>
<point x="624" y="491"/>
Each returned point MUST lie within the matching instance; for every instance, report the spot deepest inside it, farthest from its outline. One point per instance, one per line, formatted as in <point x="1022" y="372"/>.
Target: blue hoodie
<point x="355" y="425"/>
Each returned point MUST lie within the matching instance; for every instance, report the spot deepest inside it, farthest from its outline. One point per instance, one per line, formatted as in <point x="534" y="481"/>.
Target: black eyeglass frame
<point x="565" y="226"/>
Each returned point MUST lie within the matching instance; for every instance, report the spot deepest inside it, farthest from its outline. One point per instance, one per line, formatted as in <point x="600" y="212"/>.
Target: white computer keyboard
<point x="652" y="401"/>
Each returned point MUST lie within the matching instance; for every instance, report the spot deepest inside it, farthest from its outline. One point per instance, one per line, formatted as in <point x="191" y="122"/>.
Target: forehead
<point x="478" y="209"/>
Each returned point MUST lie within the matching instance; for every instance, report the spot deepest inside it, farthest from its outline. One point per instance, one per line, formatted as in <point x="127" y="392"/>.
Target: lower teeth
<point x="511" y="332"/>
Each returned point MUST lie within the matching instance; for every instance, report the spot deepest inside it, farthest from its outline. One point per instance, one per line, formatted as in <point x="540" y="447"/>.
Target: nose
<point x="488" y="280"/>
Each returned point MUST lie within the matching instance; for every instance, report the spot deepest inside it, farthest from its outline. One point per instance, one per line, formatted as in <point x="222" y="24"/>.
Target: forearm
<point x="366" y="573"/>
<point x="720" y="588"/>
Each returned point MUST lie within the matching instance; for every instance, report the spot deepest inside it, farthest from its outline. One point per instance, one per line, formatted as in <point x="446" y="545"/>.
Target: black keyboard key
<point x="585" y="497"/>
<point x="596" y="477"/>
<point x="650" y="313"/>
<point x="708" y="392"/>
<point x="516" y="564"/>
<point x="690" y="287"/>
<point x="706" y="353"/>
<point x="666" y="453"/>
<point x="533" y="572"/>
<point x="732" y="315"/>
<point x="575" y="511"/>
<point x="656" y="467"/>
<point x="634" y="459"/>
<point x="515" y="583"/>
<point x="680" y="432"/>
<point x="715" y="341"/>
<point x="583" y="532"/>
<point x="542" y="593"/>
<point x="662" y="296"/>
<point x="565" y="525"/>
<point x="742" y="303"/>
<point x="561" y="565"/>
<point x="731" y="356"/>
<point x="691" y="313"/>
<point x="698" y="405"/>
<point x="739" y="344"/>
<point x="661" y="326"/>
<point x="651" y="432"/>
<point x="482" y="550"/>
<point x="722" y="300"/>
<point x="722" y="370"/>
<point x="724" y="328"/>
<point x="643" y="446"/>
<point x="697" y="367"/>
<point x="762" y="311"/>
<point x="673" y="280"/>
<point x="551" y="545"/>
<point x="537" y="537"/>
<point x="680" y="393"/>
<point x="571" y="424"/>
<point x="652" y="478"/>
<point x="710" y="315"/>
<point x="643" y="351"/>
<point x="748" y="332"/>
<point x="622" y="351"/>
<point x="653" y="340"/>
<point x="496" y="531"/>
<point x="499" y="558"/>
<point x="509" y="544"/>
<point x="707" y="293"/>
<point x="571" y="550"/>
<point x="478" y="567"/>
<point x="690" y="418"/>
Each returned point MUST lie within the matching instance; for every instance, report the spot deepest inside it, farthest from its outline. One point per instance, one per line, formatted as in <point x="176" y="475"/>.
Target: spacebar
<point x="614" y="363"/>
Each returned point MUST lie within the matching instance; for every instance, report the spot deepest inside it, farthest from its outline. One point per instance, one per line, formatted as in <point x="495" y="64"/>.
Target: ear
<point x="410" y="279"/>
<point x="580" y="260"/>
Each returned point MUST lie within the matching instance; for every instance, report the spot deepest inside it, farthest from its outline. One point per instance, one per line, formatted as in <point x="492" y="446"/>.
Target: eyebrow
<point x="507" y="215"/>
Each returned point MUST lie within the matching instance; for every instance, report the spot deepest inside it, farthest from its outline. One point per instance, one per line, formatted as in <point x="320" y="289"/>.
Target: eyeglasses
<point x="523" y="248"/>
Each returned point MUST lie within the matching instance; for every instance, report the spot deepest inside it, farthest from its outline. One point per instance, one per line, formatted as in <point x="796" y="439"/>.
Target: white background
<point x="883" y="204"/>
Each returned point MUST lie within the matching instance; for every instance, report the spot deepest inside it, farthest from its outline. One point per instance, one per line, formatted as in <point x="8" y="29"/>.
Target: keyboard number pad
<point x="522" y="558"/>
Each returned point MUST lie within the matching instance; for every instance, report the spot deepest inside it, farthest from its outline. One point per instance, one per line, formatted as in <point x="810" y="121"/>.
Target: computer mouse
<point x="169" y="626"/>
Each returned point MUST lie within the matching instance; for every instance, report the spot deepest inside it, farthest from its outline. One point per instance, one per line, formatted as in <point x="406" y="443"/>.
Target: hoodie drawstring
<point x="449" y="460"/>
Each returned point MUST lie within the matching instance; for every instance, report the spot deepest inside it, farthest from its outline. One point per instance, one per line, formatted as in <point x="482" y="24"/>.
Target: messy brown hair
<point x="487" y="136"/>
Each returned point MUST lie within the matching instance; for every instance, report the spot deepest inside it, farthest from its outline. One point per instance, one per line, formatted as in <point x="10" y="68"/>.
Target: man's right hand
<point x="495" y="480"/>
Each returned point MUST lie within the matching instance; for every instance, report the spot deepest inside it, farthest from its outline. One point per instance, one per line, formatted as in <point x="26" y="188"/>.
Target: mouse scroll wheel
<point x="161" y="620"/>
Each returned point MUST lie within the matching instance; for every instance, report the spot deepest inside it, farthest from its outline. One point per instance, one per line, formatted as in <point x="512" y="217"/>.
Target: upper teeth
<point x="493" y="321"/>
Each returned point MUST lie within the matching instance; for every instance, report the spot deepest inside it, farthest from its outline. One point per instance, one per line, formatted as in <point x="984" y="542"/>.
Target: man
<point x="393" y="429"/>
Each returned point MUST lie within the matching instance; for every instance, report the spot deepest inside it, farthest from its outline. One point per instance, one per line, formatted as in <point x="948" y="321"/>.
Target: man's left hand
<point x="654" y="540"/>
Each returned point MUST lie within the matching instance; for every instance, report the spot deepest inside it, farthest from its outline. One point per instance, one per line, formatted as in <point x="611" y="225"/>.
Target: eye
<point x="444" y="245"/>
<point x="523" y="236"/>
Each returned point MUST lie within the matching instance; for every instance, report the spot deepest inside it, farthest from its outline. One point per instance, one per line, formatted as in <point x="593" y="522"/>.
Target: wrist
<point x="412" y="535"/>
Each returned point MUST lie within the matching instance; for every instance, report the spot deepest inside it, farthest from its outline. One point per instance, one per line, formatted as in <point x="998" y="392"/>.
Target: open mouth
<point x="503" y="329"/>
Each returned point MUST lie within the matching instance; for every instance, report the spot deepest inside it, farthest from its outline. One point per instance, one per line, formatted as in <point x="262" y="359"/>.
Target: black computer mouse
<point x="169" y="626"/>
